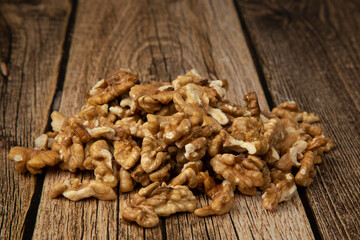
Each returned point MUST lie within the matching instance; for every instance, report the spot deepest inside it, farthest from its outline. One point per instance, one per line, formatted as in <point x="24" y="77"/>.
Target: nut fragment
<point x="108" y="89"/>
<point x="222" y="195"/>
<point x="32" y="160"/>
<point x="154" y="201"/>
<point x="126" y="152"/>
<point x="75" y="190"/>
<point x="243" y="172"/>
<point x="279" y="191"/>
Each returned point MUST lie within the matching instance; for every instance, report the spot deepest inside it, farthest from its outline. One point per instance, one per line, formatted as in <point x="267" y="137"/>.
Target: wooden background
<point x="52" y="52"/>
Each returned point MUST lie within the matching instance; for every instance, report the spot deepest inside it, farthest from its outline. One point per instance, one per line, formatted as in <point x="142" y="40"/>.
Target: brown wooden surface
<point x="306" y="51"/>
<point x="309" y="52"/>
<point x="31" y="40"/>
<point x="161" y="40"/>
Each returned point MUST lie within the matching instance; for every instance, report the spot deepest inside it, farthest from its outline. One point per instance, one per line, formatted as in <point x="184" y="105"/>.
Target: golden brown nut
<point x="243" y="172"/>
<point x="140" y="212"/>
<point x="57" y="120"/>
<point x="216" y="144"/>
<point x="140" y="176"/>
<point x="252" y="104"/>
<point x="152" y="155"/>
<point x="126" y="152"/>
<point x="126" y="182"/>
<point x="190" y="77"/>
<point x="307" y="172"/>
<point x="75" y="190"/>
<point x="290" y="110"/>
<point x="221" y="194"/>
<point x="167" y="200"/>
<point x="161" y="175"/>
<point x="290" y="159"/>
<point x="196" y="149"/>
<point x="188" y="175"/>
<point x="279" y="191"/>
<point x="32" y="160"/>
<point x="102" y="161"/>
<point x="108" y="89"/>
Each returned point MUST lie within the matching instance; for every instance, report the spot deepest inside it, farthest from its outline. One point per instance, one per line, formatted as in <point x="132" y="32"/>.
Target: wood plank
<point x="31" y="39"/>
<point x="161" y="39"/>
<point x="309" y="52"/>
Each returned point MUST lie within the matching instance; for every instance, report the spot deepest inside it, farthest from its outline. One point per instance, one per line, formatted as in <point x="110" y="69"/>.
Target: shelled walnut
<point x="176" y="138"/>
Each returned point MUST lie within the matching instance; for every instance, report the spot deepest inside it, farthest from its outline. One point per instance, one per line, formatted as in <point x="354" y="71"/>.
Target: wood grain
<point x="160" y="39"/>
<point x="31" y="38"/>
<point x="309" y="52"/>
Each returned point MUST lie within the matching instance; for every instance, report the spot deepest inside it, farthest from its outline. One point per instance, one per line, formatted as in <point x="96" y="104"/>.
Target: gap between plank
<point x="31" y="215"/>
<point x="269" y="98"/>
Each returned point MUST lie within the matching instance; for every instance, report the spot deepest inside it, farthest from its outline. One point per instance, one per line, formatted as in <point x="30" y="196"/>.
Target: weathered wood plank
<point x="309" y="52"/>
<point x="31" y="39"/>
<point x="161" y="39"/>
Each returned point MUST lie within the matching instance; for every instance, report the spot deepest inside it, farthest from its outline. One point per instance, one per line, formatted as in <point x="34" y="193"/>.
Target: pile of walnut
<point x="174" y="137"/>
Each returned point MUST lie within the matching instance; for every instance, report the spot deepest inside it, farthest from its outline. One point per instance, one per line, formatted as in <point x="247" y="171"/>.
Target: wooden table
<point x="52" y="51"/>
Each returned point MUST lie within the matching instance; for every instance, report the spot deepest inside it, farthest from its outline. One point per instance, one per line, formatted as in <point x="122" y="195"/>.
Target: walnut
<point x="196" y="149"/>
<point x="274" y="131"/>
<point x="221" y="194"/>
<point x="126" y="182"/>
<point x="140" y="176"/>
<point x="75" y="190"/>
<point x="243" y="172"/>
<point x="217" y="143"/>
<point x="193" y="101"/>
<point x="108" y="89"/>
<point x="188" y="175"/>
<point x="102" y="161"/>
<point x="150" y="97"/>
<point x="220" y="86"/>
<point x="57" y="120"/>
<point x="218" y="115"/>
<point x="290" y="159"/>
<point x="167" y="200"/>
<point x="271" y="156"/>
<point x="290" y="110"/>
<point x="154" y="201"/>
<point x="126" y="152"/>
<point x="257" y="147"/>
<point x="41" y="142"/>
<point x="252" y="104"/>
<point x="120" y="111"/>
<point x="231" y="109"/>
<point x="190" y="77"/>
<point x="140" y="212"/>
<point x="152" y="155"/>
<point x="196" y="132"/>
<point x="245" y="136"/>
<point x="306" y="173"/>
<point x="32" y="160"/>
<point x="279" y="191"/>
<point x="161" y="174"/>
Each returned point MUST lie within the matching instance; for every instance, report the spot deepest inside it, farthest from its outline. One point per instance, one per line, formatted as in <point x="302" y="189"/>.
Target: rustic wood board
<point x="31" y="39"/>
<point x="309" y="52"/>
<point x="160" y="39"/>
